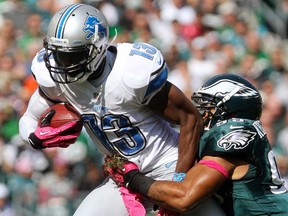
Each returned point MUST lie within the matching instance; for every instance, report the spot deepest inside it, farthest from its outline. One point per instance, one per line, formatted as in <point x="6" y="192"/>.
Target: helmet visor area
<point x="203" y="103"/>
<point x="71" y="63"/>
<point x="67" y="59"/>
<point x="206" y="107"/>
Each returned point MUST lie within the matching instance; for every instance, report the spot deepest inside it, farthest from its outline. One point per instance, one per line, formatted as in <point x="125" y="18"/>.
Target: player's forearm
<point x="191" y="129"/>
<point x="171" y="195"/>
<point x="26" y="126"/>
<point x="178" y="109"/>
<point x="200" y="183"/>
<point x="28" y="122"/>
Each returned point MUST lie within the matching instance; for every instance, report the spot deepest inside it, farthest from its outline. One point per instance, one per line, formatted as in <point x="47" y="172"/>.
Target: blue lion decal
<point x="90" y="28"/>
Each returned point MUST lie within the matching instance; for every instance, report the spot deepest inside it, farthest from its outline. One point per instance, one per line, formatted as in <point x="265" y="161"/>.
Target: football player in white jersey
<point x="124" y="98"/>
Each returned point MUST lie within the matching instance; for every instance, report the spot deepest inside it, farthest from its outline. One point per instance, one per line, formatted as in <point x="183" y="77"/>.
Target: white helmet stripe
<point x="224" y="86"/>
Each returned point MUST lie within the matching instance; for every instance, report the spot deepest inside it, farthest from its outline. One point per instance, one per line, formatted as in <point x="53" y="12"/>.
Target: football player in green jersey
<point x="235" y="159"/>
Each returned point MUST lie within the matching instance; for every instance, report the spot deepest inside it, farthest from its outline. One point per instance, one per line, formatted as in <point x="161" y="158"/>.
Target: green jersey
<point x="261" y="191"/>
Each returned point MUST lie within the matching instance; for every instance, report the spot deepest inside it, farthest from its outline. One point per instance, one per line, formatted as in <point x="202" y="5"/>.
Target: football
<point x="64" y="113"/>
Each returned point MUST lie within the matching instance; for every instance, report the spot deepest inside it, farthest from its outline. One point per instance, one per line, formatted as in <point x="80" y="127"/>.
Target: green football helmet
<point x="227" y="96"/>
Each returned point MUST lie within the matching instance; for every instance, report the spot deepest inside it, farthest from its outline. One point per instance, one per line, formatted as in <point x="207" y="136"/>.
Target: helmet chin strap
<point x="114" y="38"/>
<point x="206" y="128"/>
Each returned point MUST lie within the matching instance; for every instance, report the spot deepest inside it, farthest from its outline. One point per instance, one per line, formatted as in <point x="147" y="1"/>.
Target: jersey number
<point x="118" y="134"/>
<point x="276" y="176"/>
<point x="143" y="50"/>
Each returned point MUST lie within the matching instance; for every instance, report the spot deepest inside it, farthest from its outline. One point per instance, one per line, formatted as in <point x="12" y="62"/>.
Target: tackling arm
<point x="171" y="103"/>
<point x="201" y="182"/>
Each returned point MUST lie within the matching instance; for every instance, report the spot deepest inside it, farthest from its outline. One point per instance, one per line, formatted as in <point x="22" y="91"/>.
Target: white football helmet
<point x="76" y="43"/>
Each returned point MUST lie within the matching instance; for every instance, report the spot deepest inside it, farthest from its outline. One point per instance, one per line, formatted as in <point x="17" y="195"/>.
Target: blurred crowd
<point x="198" y="38"/>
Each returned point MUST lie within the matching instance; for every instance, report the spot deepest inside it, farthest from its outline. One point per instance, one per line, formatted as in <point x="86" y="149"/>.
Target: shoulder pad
<point x="143" y="68"/>
<point x="139" y="61"/>
<point x="234" y="138"/>
<point x="40" y="71"/>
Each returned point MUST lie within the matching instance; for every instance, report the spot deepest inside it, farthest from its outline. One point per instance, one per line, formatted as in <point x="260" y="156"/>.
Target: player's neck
<point x="96" y="74"/>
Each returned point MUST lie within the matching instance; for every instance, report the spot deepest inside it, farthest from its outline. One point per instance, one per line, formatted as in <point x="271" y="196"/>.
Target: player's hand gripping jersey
<point x="112" y="106"/>
<point x="246" y="140"/>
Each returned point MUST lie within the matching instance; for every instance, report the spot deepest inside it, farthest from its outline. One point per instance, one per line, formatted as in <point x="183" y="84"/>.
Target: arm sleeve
<point x="29" y="121"/>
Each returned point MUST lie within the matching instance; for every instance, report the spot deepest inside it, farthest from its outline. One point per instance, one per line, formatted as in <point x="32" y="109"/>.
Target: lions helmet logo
<point x="92" y="26"/>
<point x="237" y="139"/>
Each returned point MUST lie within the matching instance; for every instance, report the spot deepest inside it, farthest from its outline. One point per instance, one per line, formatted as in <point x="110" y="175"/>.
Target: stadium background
<point x="199" y="38"/>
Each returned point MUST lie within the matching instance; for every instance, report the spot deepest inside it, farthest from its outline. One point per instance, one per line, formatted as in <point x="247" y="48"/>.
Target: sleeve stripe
<point x="160" y="69"/>
<point x="157" y="83"/>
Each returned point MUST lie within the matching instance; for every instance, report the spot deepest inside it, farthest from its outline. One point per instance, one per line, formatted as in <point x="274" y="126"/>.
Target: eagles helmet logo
<point x="223" y="87"/>
<point x="90" y="27"/>
<point x="237" y="139"/>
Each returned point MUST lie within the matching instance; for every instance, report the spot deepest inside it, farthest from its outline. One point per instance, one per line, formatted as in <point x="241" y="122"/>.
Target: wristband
<point x="129" y="176"/>
<point x="141" y="183"/>
<point x="179" y="177"/>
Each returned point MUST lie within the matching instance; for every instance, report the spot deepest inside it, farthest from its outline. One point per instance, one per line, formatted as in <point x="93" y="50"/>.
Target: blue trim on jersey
<point x="157" y="82"/>
<point x="63" y="20"/>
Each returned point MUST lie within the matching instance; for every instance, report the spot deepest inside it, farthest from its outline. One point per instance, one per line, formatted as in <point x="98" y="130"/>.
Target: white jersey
<point x="114" y="108"/>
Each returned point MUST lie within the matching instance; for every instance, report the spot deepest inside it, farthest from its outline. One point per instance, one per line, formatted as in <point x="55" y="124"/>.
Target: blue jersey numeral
<point x="129" y="139"/>
<point x="143" y="50"/>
